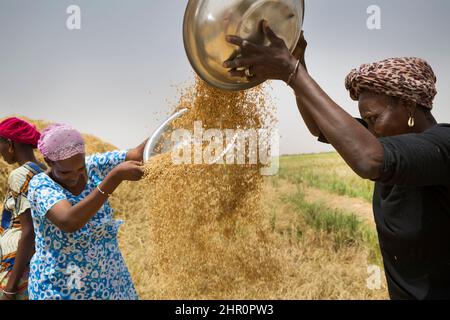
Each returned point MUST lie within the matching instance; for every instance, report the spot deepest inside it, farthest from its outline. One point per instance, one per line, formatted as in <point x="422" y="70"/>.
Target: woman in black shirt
<point x="401" y="148"/>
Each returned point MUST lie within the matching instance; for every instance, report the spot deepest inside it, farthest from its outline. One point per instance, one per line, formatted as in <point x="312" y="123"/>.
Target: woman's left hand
<point x="264" y="62"/>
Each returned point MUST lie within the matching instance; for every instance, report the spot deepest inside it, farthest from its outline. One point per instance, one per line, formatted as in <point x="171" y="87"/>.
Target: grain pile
<point x="4" y="173"/>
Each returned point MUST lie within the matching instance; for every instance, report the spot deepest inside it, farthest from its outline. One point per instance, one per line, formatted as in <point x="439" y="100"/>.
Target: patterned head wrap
<point x="60" y="142"/>
<point x="411" y="79"/>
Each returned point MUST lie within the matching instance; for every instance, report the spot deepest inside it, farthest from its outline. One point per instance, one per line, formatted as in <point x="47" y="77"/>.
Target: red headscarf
<point x="20" y="131"/>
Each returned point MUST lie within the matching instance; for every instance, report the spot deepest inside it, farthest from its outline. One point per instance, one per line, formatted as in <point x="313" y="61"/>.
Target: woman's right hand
<point x="129" y="171"/>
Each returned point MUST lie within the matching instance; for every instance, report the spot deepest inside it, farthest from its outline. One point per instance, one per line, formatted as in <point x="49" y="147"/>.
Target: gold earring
<point x="411" y="122"/>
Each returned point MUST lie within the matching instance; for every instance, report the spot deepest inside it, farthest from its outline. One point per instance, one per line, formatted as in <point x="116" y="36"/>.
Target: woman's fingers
<point x="250" y="47"/>
<point x="273" y="38"/>
<point x="246" y="46"/>
<point x="240" y="63"/>
<point x="236" y="53"/>
<point x="237" y="73"/>
<point x="302" y="42"/>
<point x="138" y="173"/>
<point x="237" y="41"/>
<point x="137" y="163"/>
<point x="244" y="74"/>
<point x="300" y="48"/>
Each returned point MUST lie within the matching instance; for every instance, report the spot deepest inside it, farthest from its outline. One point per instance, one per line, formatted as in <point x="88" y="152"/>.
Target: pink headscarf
<point x="60" y="142"/>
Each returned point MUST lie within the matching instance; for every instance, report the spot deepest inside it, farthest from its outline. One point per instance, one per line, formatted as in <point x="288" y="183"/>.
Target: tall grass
<point x="327" y="172"/>
<point x="346" y="229"/>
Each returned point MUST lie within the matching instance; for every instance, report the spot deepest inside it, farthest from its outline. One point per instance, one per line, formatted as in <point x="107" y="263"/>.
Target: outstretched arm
<point x="299" y="54"/>
<point x="358" y="147"/>
<point x="70" y="218"/>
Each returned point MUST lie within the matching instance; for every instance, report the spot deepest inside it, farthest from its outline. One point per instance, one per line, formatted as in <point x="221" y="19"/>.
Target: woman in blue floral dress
<point x="77" y="253"/>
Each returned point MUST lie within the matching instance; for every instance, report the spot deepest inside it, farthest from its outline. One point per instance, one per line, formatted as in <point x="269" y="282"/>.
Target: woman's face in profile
<point x="386" y="116"/>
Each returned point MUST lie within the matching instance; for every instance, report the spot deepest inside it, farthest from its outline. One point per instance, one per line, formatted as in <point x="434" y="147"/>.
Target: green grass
<point x="329" y="172"/>
<point x="346" y="229"/>
<point x="326" y="171"/>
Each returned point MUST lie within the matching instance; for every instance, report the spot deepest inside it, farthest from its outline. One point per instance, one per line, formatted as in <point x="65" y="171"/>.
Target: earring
<point x="411" y="122"/>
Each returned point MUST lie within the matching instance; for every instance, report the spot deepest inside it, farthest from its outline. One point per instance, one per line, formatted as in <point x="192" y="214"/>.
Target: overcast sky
<point x="118" y="74"/>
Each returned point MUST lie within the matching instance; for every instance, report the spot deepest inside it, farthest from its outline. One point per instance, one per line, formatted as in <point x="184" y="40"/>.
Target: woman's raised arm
<point x="70" y="218"/>
<point x="358" y="147"/>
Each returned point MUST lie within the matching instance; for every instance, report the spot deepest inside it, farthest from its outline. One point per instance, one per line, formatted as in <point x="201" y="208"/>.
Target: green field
<point x="344" y="228"/>
<point x="329" y="172"/>
<point x="326" y="171"/>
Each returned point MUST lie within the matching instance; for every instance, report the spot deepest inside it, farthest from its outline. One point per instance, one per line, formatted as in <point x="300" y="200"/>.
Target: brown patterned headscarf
<point x="407" y="78"/>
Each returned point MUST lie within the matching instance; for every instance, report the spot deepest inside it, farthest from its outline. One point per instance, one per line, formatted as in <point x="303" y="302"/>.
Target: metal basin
<point x="208" y="22"/>
<point x="160" y="141"/>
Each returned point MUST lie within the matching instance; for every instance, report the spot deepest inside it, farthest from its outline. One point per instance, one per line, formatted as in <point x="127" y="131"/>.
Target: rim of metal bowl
<point x="231" y="87"/>
<point x="153" y="140"/>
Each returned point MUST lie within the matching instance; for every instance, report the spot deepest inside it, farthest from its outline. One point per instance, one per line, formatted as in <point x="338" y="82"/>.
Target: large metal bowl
<point x="207" y="22"/>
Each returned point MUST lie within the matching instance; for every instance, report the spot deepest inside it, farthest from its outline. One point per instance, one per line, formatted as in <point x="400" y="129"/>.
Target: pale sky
<point x="116" y="76"/>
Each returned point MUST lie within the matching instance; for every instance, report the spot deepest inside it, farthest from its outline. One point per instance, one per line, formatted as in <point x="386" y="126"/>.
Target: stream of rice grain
<point x="207" y="232"/>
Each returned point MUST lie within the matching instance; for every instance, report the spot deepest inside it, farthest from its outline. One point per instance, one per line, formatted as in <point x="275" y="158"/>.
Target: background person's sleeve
<point x="15" y="184"/>
<point x="417" y="159"/>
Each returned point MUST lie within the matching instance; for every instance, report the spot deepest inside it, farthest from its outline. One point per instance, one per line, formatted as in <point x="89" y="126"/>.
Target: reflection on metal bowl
<point x="208" y="22"/>
<point x="160" y="141"/>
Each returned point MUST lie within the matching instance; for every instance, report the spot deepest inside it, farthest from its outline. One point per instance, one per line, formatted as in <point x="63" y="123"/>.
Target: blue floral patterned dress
<point x="83" y="265"/>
